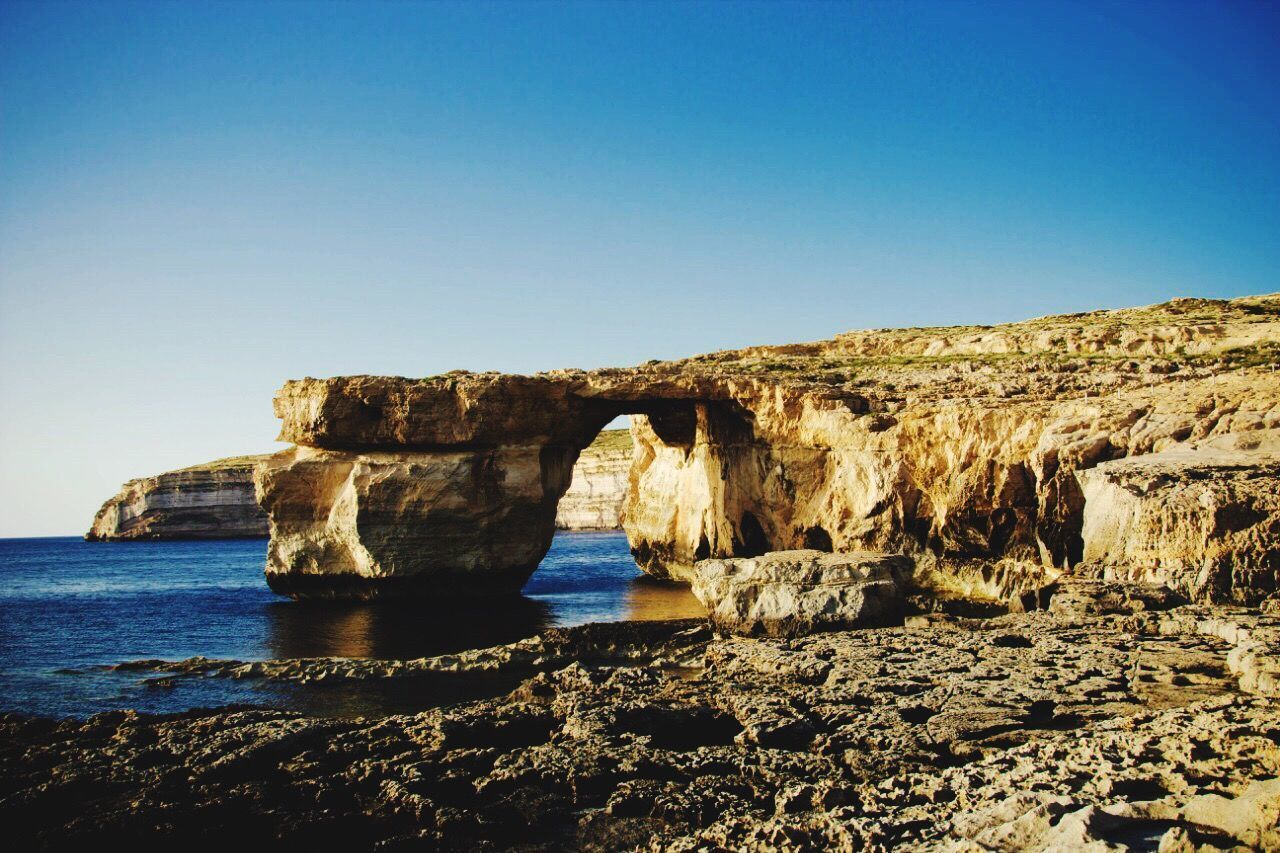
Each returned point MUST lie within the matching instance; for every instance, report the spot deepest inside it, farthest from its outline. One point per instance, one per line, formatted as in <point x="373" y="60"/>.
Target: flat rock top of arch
<point x="1046" y="359"/>
<point x="489" y="410"/>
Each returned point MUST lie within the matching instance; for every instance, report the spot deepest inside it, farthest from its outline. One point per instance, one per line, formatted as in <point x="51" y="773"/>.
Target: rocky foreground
<point x="1103" y="722"/>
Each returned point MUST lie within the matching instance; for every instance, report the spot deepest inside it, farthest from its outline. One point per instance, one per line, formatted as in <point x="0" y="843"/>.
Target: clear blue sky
<point x="200" y="200"/>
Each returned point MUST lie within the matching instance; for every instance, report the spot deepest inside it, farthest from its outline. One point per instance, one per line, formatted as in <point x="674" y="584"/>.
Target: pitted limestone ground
<point x="1022" y="732"/>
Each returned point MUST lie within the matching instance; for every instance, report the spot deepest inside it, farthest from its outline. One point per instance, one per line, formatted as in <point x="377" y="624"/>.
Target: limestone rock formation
<point x="210" y="501"/>
<point x="1078" y="598"/>
<point x="1201" y="517"/>
<point x="363" y="525"/>
<point x="216" y="500"/>
<point x="797" y="593"/>
<point x="962" y="443"/>
<point x="598" y="491"/>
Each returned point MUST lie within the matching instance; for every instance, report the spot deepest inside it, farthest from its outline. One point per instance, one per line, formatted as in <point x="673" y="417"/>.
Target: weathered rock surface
<point x="210" y="501"/>
<point x="1202" y="518"/>
<point x="364" y="525"/>
<point x="796" y="593"/>
<point x="1074" y="597"/>
<point x="961" y="443"/>
<point x="475" y="522"/>
<point x="960" y="476"/>
<point x="1075" y="728"/>
<point x="598" y="491"/>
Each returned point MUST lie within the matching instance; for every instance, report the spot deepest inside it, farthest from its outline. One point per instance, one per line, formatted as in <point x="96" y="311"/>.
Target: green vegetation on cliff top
<point x="611" y="440"/>
<point x="225" y="464"/>
<point x="1098" y="338"/>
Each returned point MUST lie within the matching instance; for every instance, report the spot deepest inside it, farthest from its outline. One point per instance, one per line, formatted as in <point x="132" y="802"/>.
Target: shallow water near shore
<point x="69" y="607"/>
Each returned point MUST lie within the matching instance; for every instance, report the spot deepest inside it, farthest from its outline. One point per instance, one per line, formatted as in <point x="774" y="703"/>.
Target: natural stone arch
<point x="448" y="485"/>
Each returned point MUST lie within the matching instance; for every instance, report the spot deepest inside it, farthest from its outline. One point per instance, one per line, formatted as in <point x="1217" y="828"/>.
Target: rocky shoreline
<point x="981" y="588"/>
<point x="1097" y="721"/>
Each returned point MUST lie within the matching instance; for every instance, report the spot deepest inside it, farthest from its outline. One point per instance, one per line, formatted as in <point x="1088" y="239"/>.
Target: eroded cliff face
<point x="1202" y="517"/>
<point x="210" y="501"/>
<point x="598" y="491"/>
<point x="960" y="477"/>
<point x="957" y="443"/>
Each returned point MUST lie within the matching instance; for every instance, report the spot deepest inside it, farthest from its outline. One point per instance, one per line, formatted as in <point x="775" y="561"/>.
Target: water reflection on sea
<point x="398" y="630"/>
<point x="68" y="607"/>
<point x="650" y="600"/>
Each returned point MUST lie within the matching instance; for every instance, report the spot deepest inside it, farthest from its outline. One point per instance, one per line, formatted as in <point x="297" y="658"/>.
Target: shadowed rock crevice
<point x="751" y="540"/>
<point x="817" y="539"/>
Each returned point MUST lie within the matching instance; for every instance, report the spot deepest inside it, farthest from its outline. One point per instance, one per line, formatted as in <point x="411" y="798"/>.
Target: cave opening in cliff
<point x="753" y="542"/>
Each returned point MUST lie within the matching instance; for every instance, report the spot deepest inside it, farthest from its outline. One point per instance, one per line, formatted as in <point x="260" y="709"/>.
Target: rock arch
<point x="450" y="484"/>
<point x="446" y="485"/>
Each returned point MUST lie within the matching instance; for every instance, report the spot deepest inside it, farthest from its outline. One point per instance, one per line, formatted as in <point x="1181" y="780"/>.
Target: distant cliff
<point x="216" y="501"/>
<point x="599" y="487"/>
<point x="210" y="501"/>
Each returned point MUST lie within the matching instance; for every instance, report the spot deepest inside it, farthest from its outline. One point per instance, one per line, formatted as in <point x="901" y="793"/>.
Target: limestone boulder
<point x="1252" y="818"/>
<point x="1202" y="518"/>
<point x="796" y="593"/>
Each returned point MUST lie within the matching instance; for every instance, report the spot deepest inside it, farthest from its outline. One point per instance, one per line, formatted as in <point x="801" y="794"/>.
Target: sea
<point x="69" y="609"/>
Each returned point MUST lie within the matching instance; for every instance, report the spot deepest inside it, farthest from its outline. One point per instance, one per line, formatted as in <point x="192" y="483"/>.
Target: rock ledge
<point x="795" y="593"/>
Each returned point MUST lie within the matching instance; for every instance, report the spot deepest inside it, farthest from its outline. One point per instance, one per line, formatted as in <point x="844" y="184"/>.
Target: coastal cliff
<point x="216" y="500"/>
<point x="210" y="501"/>
<point x="959" y="443"/>
<point x="598" y="490"/>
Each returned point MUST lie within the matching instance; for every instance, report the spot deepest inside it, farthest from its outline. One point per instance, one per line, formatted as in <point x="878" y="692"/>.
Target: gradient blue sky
<point x="200" y="200"/>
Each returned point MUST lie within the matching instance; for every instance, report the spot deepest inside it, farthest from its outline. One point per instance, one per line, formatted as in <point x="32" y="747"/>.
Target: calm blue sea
<point x="68" y="607"/>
